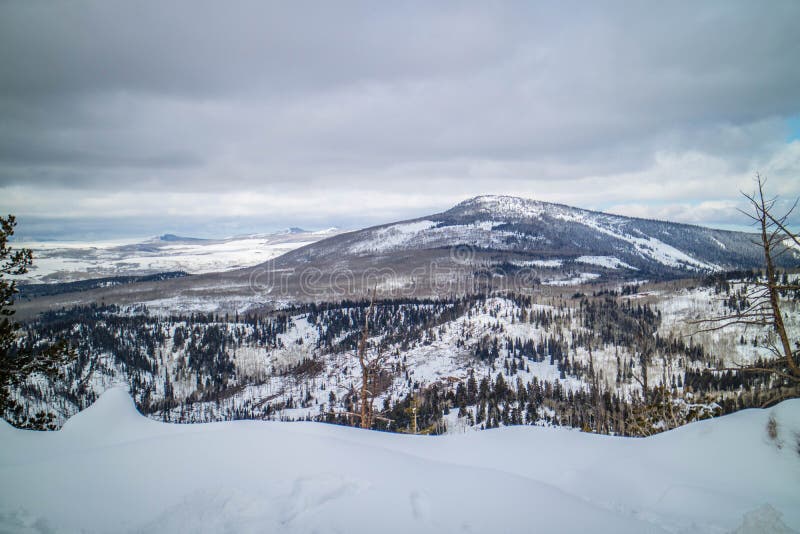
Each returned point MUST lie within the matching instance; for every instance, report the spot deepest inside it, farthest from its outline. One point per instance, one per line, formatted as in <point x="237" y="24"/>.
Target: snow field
<point x="111" y="470"/>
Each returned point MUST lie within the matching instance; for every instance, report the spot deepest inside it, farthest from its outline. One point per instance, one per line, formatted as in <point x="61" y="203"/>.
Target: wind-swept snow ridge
<point x="712" y="476"/>
<point x="112" y="418"/>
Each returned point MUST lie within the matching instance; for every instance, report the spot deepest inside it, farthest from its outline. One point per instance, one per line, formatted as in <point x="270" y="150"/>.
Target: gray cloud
<point x="150" y="109"/>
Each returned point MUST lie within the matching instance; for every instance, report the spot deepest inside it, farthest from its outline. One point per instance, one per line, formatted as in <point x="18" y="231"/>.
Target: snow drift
<point x="112" y="470"/>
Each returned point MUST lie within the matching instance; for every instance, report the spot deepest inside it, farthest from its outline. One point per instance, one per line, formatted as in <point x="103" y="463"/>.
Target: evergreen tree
<point x="18" y="363"/>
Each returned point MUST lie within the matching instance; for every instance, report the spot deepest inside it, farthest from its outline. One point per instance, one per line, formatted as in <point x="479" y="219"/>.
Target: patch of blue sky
<point x="794" y="128"/>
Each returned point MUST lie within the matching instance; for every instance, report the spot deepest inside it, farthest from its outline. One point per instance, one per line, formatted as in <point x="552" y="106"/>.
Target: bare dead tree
<point x="373" y="364"/>
<point x="371" y="367"/>
<point x="646" y="350"/>
<point x="763" y="297"/>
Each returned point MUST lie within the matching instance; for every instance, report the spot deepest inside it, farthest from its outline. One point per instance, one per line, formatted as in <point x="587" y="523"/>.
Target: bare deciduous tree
<point x="764" y="307"/>
<point x="371" y="367"/>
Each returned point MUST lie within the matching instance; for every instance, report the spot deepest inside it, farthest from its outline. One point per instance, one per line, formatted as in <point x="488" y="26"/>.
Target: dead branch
<point x="765" y="305"/>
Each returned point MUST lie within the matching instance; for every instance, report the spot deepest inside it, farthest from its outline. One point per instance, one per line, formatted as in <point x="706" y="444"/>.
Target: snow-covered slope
<point x="548" y="232"/>
<point x="111" y="470"/>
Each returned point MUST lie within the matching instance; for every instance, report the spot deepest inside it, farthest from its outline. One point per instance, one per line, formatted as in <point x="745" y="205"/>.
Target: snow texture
<point x="111" y="470"/>
<point x="609" y="262"/>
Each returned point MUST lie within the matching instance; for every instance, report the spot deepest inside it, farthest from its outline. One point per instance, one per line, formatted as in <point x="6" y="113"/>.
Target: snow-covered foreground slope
<point x="111" y="470"/>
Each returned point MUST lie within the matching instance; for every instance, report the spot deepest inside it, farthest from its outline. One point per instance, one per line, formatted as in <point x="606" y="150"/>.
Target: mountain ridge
<point x="531" y="227"/>
<point x="483" y="244"/>
<point x="486" y="199"/>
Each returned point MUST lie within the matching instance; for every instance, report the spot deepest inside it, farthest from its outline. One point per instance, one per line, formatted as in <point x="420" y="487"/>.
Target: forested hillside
<point x="621" y="361"/>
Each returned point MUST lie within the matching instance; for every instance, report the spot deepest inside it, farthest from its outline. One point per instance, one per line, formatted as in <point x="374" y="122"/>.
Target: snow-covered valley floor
<point x="112" y="470"/>
<point x="69" y="261"/>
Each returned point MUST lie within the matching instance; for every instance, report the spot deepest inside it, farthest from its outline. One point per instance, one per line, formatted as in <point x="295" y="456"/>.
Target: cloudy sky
<point x="217" y="118"/>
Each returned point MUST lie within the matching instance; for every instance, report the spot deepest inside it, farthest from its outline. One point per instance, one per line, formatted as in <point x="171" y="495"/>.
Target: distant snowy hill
<point x="111" y="470"/>
<point x="72" y="261"/>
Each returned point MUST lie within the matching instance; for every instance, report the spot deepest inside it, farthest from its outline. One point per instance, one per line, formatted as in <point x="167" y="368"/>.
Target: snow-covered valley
<point x="71" y="261"/>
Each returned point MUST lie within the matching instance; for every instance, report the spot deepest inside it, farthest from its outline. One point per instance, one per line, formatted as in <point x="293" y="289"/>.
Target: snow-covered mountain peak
<point x="510" y="208"/>
<point x="509" y="228"/>
<point x="502" y="206"/>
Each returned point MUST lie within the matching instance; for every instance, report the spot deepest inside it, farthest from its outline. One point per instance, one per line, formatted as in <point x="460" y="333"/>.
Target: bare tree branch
<point x="764" y="307"/>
